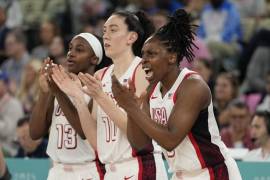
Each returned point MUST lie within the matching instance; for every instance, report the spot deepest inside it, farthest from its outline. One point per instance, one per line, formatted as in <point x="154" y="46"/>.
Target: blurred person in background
<point x="251" y="8"/>
<point x="205" y="69"/>
<point x="3" y="33"/>
<point x="225" y="90"/>
<point x="18" y="57"/>
<point x="237" y="134"/>
<point x="260" y="133"/>
<point x="265" y="99"/>
<point x="28" y="89"/>
<point x="47" y="31"/>
<point x="160" y="18"/>
<point x="257" y="70"/>
<point x="10" y="112"/>
<point x="220" y="28"/>
<point x="4" y="172"/>
<point x="57" y="51"/>
<point x="29" y="148"/>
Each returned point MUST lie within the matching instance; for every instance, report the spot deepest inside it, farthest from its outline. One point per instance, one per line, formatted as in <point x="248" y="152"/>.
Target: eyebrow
<point x="111" y="25"/>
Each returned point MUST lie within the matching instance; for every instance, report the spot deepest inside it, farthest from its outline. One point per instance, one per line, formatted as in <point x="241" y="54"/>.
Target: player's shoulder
<point x="100" y="73"/>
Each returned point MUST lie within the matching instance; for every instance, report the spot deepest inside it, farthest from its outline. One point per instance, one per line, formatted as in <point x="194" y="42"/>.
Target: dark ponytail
<point x="139" y="23"/>
<point x="178" y="35"/>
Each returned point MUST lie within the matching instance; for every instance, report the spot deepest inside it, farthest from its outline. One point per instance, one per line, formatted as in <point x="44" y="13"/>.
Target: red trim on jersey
<point x="198" y="152"/>
<point x="103" y="73"/>
<point x="211" y="173"/>
<point x="152" y="91"/>
<point x="200" y="157"/>
<point x="140" y="174"/>
<point x="185" y="77"/>
<point x="134" y="76"/>
<point x="100" y="167"/>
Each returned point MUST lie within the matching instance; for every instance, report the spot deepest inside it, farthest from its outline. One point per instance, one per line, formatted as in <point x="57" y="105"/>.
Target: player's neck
<point x="168" y="81"/>
<point x="121" y="63"/>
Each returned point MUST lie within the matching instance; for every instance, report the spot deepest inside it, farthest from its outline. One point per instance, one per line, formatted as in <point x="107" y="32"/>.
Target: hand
<point x="94" y="87"/>
<point x="66" y="82"/>
<point x="125" y="96"/>
<point x="44" y="76"/>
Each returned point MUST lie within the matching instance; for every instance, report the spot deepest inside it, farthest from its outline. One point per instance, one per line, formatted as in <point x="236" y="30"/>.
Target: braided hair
<point x="178" y="35"/>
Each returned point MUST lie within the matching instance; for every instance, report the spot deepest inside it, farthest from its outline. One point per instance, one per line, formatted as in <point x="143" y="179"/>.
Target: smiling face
<point x="156" y="60"/>
<point x="80" y="56"/>
<point x="116" y="37"/>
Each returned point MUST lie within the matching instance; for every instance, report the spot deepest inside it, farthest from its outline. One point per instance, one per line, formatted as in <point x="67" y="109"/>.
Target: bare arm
<point x="70" y="112"/>
<point x="137" y="138"/>
<point x="41" y="117"/>
<point x="116" y="114"/>
<point x="74" y="90"/>
<point x="40" y="121"/>
<point x="195" y="96"/>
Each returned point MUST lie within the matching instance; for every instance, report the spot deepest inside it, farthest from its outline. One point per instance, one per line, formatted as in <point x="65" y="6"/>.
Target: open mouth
<point x="148" y="72"/>
<point x="70" y="63"/>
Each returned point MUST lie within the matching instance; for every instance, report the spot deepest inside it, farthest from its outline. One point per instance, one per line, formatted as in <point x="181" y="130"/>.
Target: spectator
<point x="265" y="100"/>
<point x="57" y="51"/>
<point x="251" y="8"/>
<point x="225" y="90"/>
<point x="13" y="13"/>
<point x="257" y="70"/>
<point x="260" y="39"/>
<point x="260" y="132"/>
<point x="28" y="89"/>
<point x="205" y="69"/>
<point x="10" y="112"/>
<point x="3" y="33"/>
<point x="18" y="57"/>
<point x="237" y="134"/>
<point x="48" y="30"/>
<point x="220" y="27"/>
<point x="160" y="18"/>
<point x="28" y="147"/>
<point x="4" y="172"/>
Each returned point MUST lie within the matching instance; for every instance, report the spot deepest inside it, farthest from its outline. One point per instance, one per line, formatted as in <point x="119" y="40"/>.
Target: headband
<point x="94" y="43"/>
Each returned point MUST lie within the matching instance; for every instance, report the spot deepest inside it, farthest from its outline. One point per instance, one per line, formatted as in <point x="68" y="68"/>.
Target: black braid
<point x="178" y="35"/>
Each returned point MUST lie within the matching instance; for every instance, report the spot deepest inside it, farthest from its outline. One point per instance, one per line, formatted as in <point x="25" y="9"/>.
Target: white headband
<point x="94" y="43"/>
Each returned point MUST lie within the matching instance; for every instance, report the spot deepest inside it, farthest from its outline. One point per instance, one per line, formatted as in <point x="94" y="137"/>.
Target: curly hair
<point x="178" y="35"/>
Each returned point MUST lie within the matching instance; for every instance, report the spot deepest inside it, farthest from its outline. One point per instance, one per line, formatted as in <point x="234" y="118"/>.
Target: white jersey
<point x="65" y="145"/>
<point x="202" y="147"/>
<point x="112" y="144"/>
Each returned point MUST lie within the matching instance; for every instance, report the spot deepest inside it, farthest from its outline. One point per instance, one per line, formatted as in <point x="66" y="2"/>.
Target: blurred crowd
<point x="232" y="56"/>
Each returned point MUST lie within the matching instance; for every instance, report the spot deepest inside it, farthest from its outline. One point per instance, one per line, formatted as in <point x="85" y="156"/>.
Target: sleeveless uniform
<point x="202" y="154"/>
<point x="73" y="158"/>
<point x="114" y="150"/>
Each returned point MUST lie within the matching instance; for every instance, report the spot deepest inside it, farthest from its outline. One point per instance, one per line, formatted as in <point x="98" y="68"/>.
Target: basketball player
<point x="124" y="34"/>
<point x="178" y="109"/>
<point x="73" y="157"/>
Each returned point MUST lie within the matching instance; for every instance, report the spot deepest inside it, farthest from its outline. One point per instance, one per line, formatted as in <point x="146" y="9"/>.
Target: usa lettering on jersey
<point x="160" y="115"/>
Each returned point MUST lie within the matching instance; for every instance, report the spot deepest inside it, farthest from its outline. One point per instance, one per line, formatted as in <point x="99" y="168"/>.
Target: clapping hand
<point x="124" y="95"/>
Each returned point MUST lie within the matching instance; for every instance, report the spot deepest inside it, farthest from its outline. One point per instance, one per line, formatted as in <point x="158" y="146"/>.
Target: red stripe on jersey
<point x="140" y="174"/>
<point x="198" y="152"/>
<point x="152" y="91"/>
<point x="103" y="73"/>
<point x="133" y="76"/>
<point x="100" y="167"/>
<point x="185" y="77"/>
<point x="211" y="173"/>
